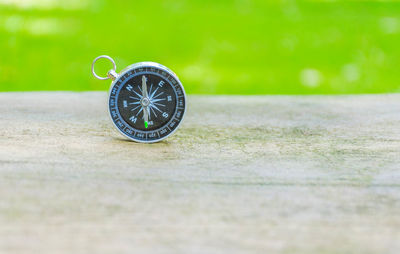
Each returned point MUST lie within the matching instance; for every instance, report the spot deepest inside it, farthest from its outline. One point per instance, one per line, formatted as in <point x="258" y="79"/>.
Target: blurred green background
<point x="215" y="47"/>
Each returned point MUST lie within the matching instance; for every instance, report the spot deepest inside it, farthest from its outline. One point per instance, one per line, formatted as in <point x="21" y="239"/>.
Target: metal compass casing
<point x="146" y="102"/>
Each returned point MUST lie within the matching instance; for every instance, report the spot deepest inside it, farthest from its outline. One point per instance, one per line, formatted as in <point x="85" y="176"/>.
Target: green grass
<point x="215" y="47"/>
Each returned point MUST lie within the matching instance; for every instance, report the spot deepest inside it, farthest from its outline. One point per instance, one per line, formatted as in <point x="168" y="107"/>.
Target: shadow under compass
<point x="125" y="140"/>
<point x="148" y="155"/>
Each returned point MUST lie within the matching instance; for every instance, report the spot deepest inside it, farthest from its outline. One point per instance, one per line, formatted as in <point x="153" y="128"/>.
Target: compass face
<point x="147" y="102"/>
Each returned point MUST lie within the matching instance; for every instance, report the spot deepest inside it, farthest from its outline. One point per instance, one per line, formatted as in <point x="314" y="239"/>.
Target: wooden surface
<point x="276" y="174"/>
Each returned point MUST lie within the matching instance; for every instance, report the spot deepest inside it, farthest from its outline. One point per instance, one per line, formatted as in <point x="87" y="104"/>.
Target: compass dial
<point x="147" y="102"/>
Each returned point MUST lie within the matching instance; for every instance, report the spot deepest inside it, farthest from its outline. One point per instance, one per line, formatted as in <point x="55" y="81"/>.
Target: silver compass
<point x="147" y="102"/>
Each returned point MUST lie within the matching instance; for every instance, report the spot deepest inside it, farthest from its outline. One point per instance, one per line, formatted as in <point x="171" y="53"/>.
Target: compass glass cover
<point x="164" y="103"/>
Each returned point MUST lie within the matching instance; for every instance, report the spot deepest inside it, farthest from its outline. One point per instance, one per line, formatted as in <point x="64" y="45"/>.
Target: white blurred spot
<point x="46" y="4"/>
<point x="310" y="77"/>
<point x="350" y="72"/>
<point x="38" y="26"/>
<point x="389" y="25"/>
<point x="43" y="26"/>
<point x="200" y="73"/>
<point x="13" y="23"/>
<point x="193" y="72"/>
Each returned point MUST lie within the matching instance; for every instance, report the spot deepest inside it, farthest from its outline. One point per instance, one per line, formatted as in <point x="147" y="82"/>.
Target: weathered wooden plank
<point x="262" y="174"/>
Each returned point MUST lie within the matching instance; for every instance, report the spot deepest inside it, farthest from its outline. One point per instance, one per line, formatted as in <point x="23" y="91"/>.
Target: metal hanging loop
<point x="111" y="71"/>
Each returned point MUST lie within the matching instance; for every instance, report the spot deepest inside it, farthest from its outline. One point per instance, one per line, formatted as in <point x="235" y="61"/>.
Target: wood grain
<point x="260" y="174"/>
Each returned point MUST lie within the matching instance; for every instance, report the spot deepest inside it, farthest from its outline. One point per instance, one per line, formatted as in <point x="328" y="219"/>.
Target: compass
<point x="147" y="102"/>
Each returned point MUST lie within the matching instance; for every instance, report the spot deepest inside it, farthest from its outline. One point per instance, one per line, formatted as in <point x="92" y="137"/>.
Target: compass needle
<point x="145" y="101"/>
